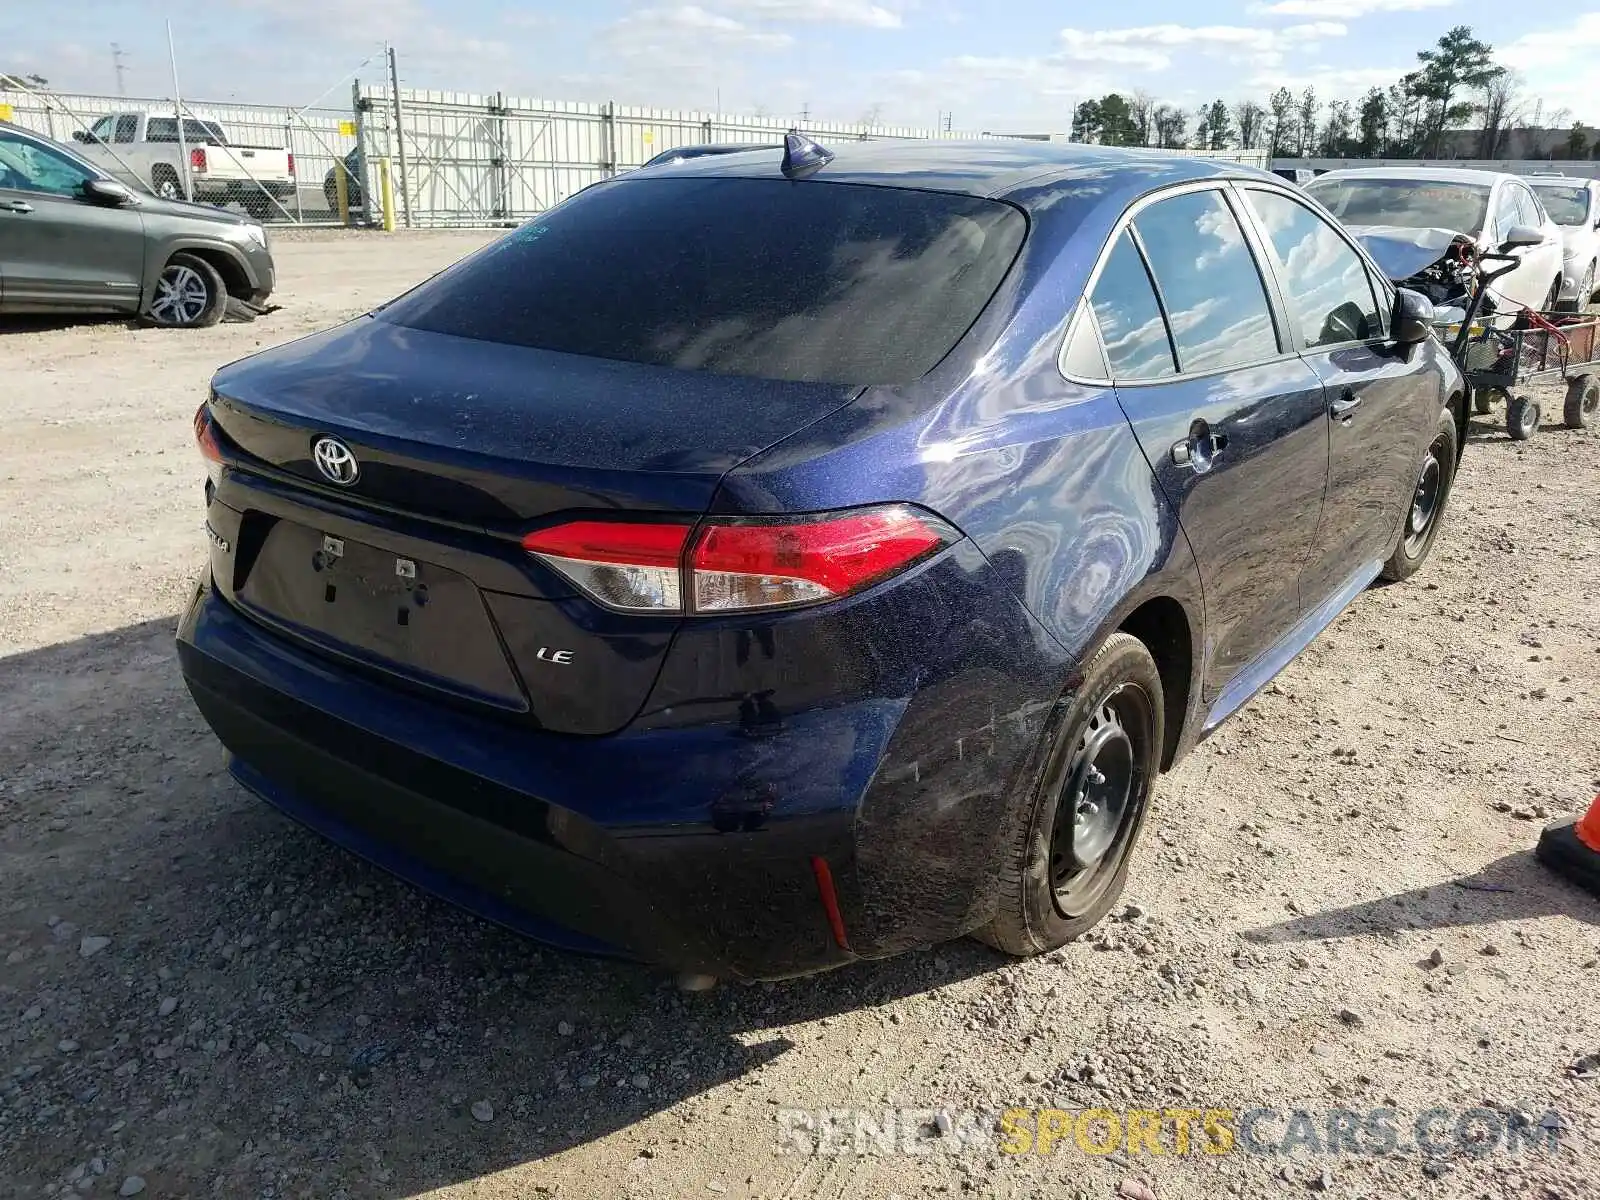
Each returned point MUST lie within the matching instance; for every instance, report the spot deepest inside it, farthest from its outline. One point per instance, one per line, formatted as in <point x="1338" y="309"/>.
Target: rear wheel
<point x="189" y="294"/>
<point x="1583" y="402"/>
<point x="1428" y="498"/>
<point x="1522" y="418"/>
<point x="1066" y="866"/>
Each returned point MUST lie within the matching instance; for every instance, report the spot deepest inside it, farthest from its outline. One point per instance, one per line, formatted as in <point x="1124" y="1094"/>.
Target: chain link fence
<point x="447" y="159"/>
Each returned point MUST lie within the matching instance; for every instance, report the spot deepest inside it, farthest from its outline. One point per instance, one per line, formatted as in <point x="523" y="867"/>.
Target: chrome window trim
<point x="1268" y="276"/>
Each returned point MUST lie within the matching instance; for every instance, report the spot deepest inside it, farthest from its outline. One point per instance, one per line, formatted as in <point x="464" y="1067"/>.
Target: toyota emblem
<point x="335" y="461"/>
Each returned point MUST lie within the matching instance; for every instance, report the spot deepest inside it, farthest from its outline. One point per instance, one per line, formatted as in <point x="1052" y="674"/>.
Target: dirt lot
<point x="198" y="998"/>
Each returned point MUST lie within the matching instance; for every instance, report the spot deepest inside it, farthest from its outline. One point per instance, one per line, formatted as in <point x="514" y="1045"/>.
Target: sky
<point x="1007" y="66"/>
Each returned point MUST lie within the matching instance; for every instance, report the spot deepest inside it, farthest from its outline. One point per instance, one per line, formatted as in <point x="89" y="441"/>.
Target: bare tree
<point x="1251" y="119"/>
<point x="1141" y="109"/>
<point x="1502" y="98"/>
<point x="1171" y="127"/>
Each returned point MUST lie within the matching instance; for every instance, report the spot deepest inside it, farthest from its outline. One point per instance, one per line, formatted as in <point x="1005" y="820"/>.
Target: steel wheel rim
<point x="1425" y="501"/>
<point x="1104" y="793"/>
<point x="181" y="296"/>
<point x="1586" y="290"/>
<point x="1529" y="418"/>
<point x="167" y="190"/>
<point x="1591" y="400"/>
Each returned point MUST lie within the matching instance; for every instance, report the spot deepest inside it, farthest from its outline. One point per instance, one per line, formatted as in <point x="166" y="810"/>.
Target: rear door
<point x="1230" y="419"/>
<point x="57" y="249"/>
<point x="1381" y="402"/>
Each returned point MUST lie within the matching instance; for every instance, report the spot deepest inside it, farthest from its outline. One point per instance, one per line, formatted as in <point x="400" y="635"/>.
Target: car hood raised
<point x="1401" y="252"/>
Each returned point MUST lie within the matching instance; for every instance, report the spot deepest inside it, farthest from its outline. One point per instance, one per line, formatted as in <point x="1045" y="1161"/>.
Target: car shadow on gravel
<point x="269" y="1011"/>
<point x="1512" y="888"/>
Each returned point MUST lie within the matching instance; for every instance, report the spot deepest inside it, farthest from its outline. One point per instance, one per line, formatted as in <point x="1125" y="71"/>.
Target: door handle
<point x="1344" y="407"/>
<point x="16" y="206"/>
<point x="1199" y="450"/>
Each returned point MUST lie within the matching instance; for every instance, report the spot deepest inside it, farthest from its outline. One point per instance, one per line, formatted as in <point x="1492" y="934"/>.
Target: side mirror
<point x="1413" y="317"/>
<point x="107" y="192"/>
<point x="1520" y="237"/>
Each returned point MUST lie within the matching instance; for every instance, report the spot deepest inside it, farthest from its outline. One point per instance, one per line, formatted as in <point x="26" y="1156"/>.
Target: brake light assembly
<point x="291" y="162"/>
<point x="197" y="158"/>
<point x="205" y="436"/>
<point x="727" y="564"/>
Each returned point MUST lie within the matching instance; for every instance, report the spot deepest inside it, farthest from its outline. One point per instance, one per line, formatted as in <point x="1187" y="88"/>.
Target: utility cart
<point x="1536" y="348"/>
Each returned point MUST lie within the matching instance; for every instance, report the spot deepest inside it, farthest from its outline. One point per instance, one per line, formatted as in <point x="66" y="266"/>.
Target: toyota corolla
<point x="795" y="557"/>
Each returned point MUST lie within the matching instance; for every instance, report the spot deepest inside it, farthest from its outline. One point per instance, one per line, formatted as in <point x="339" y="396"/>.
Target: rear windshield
<point x="806" y="281"/>
<point x="1567" y="205"/>
<point x="1409" y="203"/>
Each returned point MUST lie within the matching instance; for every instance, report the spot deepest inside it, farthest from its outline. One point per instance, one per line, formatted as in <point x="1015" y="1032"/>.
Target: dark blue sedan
<point x="793" y="557"/>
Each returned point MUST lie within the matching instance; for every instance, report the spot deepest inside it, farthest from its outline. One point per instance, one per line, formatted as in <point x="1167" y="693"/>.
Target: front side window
<point x="1330" y="295"/>
<point x="101" y="129"/>
<point x="806" y="282"/>
<point x="31" y="167"/>
<point x="1215" y="297"/>
<point x="1131" y="326"/>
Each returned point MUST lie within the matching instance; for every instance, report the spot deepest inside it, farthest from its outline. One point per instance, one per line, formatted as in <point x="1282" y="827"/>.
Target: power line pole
<point x="805" y="112"/>
<point x="117" y="55"/>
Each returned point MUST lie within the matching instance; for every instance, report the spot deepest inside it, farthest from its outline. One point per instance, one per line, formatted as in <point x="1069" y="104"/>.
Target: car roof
<point x="997" y="168"/>
<point x="1426" y="174"/>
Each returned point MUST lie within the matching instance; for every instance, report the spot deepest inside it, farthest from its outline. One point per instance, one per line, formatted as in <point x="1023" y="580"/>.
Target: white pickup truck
<point x="143" y="149"/>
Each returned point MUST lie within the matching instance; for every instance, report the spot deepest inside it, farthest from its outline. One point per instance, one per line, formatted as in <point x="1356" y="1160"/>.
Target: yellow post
<point x="387" y="188"/>
<point x="341" y="191"/>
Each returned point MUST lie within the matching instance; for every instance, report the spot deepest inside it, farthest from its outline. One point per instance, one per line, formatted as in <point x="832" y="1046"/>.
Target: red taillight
<point x="197" y="158"/>
<point x="739" y="566"/>
<point x="205" y="436"/>
<point x="291" y="162"/>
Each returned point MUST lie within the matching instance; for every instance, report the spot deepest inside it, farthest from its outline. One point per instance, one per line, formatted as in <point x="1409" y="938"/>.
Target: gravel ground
<point x="1334" y="907"/>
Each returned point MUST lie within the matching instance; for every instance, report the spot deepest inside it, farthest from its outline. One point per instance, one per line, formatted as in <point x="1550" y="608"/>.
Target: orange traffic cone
<point x="1572" y="848"/>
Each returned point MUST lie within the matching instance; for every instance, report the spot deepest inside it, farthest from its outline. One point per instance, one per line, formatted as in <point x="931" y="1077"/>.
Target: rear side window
<point x="1215" y="298"/>
<point x="808" y="281"/>
<point x="196" y="133"/>
<point x="127" y="127"/>
<point x="1330" y="295"/>
<point x="1131" y="327"/>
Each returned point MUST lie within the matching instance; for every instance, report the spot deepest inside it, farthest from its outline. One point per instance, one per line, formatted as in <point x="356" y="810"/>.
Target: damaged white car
<point x="1425" y="227"/>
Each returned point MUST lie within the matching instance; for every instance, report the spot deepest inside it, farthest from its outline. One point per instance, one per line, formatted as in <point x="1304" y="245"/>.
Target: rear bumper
<point x="661" y="845"/>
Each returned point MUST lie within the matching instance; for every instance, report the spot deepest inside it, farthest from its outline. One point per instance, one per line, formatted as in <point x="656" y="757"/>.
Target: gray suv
<point x="74" y="240"/>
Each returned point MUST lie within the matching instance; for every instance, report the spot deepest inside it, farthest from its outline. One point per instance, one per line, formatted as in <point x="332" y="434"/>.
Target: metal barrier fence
<point x="316" y="137"/>
<point x="462" y="159"/>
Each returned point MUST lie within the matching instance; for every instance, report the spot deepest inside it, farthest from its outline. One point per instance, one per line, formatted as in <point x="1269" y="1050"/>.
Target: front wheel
<point x="1522" y="418"/>
<point x="1583" y="401"/>
<point x="189" y="294"/>
<point x="1428" y="498"/>
<point x="1069" y="858"/>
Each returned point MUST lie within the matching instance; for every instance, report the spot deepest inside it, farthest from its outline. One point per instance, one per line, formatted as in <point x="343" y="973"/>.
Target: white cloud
<point x="1559" y="65"/>
<point x="831" y="12"/>
<point x="1151" y="47"/>
<point x="1347" y="10"/>
<point x="676" y="33"/>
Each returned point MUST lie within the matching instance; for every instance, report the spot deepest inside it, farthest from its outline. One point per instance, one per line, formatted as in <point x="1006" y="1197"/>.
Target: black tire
<point x="259" y="205"/>
<point x="1522" y="418"/>
<point x="189" y="295"/>
<point x="1553" y="300"/>
<point x="1483" y="400"/>
<point x="164" y="180"/>
<point x="1106" y="749"/>
<point x="1436" y="475"/>
<point x="1582" y="408"/>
